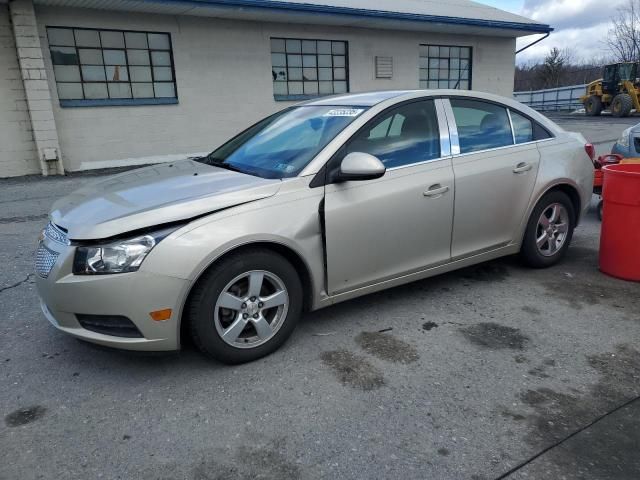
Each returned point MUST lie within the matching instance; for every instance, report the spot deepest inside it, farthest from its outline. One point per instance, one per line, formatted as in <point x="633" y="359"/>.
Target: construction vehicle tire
<point x="593" y="106"/>
<point x="621" y="105"/>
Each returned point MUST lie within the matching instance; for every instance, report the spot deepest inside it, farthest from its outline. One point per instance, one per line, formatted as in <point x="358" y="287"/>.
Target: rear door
<point x="495" y="172"/>
<point x="400" y="223"/>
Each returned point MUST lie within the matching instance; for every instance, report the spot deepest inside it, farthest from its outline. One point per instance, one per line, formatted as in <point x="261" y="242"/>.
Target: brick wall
<point x="18" y="155"/>
<point x="36" y="87"/>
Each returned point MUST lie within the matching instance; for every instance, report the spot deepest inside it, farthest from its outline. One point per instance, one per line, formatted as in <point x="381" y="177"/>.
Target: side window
<point x="522" y="128"/>
<point x="539" y="132"/>
<point x="481" y="125"/>
<point x="391" y="126"/>
<point x="381" y="129"/>
<point x="405" y="135"/>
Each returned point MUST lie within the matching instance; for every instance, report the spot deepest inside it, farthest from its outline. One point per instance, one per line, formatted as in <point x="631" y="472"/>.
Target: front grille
<point x="45" y="260"/>
<point x="114" y="325"/>
<point x="55" y="233"/>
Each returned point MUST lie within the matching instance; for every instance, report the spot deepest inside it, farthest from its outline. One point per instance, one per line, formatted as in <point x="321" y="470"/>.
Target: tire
<point x="621" y="105"/>
<point x="593" y="106"/>
<point x="229" y="283"/>
<point x="554" y="248"/>
<point x="600" y="209"/>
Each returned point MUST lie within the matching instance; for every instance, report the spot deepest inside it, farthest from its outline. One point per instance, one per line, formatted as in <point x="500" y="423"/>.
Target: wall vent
<point x="384" y="67"/>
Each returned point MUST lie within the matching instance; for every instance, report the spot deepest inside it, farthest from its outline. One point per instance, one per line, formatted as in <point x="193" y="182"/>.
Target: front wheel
<point x="245" y="307"/>
<point x="549" y="231"/>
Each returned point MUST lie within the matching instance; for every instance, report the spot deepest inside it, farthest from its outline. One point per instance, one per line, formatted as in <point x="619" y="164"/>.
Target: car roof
<point x="370" y="99"/>
<point x="365" y="99"/>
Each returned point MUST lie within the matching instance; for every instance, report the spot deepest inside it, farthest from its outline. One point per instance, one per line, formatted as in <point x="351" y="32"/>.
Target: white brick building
<point x="92" y="84"/>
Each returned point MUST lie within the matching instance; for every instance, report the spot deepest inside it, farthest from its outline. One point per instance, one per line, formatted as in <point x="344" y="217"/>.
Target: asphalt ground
<point x="494" y="371"/>
<point x="602" y="131"/>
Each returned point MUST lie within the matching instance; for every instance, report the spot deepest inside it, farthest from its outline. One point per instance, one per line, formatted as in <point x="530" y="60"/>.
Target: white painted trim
<point x="126" y="162"/>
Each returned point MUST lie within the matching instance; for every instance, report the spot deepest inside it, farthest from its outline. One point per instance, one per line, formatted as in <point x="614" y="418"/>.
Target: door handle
<point x="435" y="191"/>
<point x="522" y="167"/>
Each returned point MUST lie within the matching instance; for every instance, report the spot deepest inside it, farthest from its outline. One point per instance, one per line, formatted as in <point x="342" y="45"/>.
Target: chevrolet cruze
<point x="316" y="204"/>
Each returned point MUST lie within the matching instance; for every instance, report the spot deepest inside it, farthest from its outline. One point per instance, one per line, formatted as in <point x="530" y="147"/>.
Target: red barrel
<point x="620" y="234"/>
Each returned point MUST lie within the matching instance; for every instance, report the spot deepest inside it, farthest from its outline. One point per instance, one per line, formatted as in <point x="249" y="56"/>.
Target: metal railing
<point x="562" y="98"/>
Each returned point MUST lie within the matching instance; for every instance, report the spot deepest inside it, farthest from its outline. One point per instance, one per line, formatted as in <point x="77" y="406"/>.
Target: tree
<point x="558" y="69"/>
<point x="553" y="67"/>
<point x="624" y="35"/>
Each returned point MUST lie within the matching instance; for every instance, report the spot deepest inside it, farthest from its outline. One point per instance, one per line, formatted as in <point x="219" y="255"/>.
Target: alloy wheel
<point x="552" y="229"/>
<point x="251" y="309"/>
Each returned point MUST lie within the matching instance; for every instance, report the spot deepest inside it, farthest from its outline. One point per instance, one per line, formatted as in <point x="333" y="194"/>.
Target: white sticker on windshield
<point x="285" y="168"/>
<point x="344" y="112"/>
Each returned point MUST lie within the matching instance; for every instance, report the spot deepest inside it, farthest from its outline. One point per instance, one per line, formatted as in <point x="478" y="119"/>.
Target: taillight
<point x="591" y="151"/>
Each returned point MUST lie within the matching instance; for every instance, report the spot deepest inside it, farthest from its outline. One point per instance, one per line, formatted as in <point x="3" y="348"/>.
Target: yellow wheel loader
<point x="617" y="90"/>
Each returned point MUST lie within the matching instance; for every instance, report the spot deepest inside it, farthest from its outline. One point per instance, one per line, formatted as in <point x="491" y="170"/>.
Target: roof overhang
<point x="315" y="14"/>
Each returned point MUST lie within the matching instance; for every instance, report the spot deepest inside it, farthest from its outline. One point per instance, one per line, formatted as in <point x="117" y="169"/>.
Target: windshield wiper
<point x="227" y="166"/>
<point x="222" y="163"/>
<point x="216" y="162"/>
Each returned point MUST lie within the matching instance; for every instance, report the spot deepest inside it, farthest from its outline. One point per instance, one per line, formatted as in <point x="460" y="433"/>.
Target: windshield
<point x="626" y="71"/>
<point x="283" y="144"/>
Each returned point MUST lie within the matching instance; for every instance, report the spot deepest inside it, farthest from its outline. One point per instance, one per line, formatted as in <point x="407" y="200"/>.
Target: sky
<point x="580" y="25"/>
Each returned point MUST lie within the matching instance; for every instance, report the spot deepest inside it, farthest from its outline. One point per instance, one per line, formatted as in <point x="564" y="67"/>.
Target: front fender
<point x="290" y="220"/>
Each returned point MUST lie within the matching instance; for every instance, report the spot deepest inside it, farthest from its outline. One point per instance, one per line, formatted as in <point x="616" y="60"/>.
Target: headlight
<point x="119" y="256"/>
<point x="624" y="139"/>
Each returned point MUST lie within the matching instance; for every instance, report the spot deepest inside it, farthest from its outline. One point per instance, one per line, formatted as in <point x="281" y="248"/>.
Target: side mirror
<point x="360" y="166"/>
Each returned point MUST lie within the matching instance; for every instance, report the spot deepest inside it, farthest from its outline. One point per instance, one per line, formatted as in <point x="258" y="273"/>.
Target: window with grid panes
<point x="308" y="67"/>
<point x="112" y="65"/>
<point x="445" y="67"/>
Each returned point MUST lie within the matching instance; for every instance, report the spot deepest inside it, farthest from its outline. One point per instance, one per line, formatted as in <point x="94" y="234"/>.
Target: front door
<point x="610" y="79"/>
<point x="495" y="173"/>
<point x="400" y="223"/>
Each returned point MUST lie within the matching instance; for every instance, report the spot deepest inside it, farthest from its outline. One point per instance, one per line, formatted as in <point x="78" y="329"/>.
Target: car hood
<point x="155" y="195"/>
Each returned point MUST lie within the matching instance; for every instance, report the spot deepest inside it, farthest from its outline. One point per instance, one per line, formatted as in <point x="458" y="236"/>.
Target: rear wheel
<point x="245" y="307"/>
<point x="621" y="105"/>
<point x="549" y="231"/>
<point x="593" y="106"/>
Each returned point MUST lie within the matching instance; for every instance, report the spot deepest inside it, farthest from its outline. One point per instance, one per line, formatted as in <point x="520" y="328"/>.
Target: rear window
<point x="481" y="125"/>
